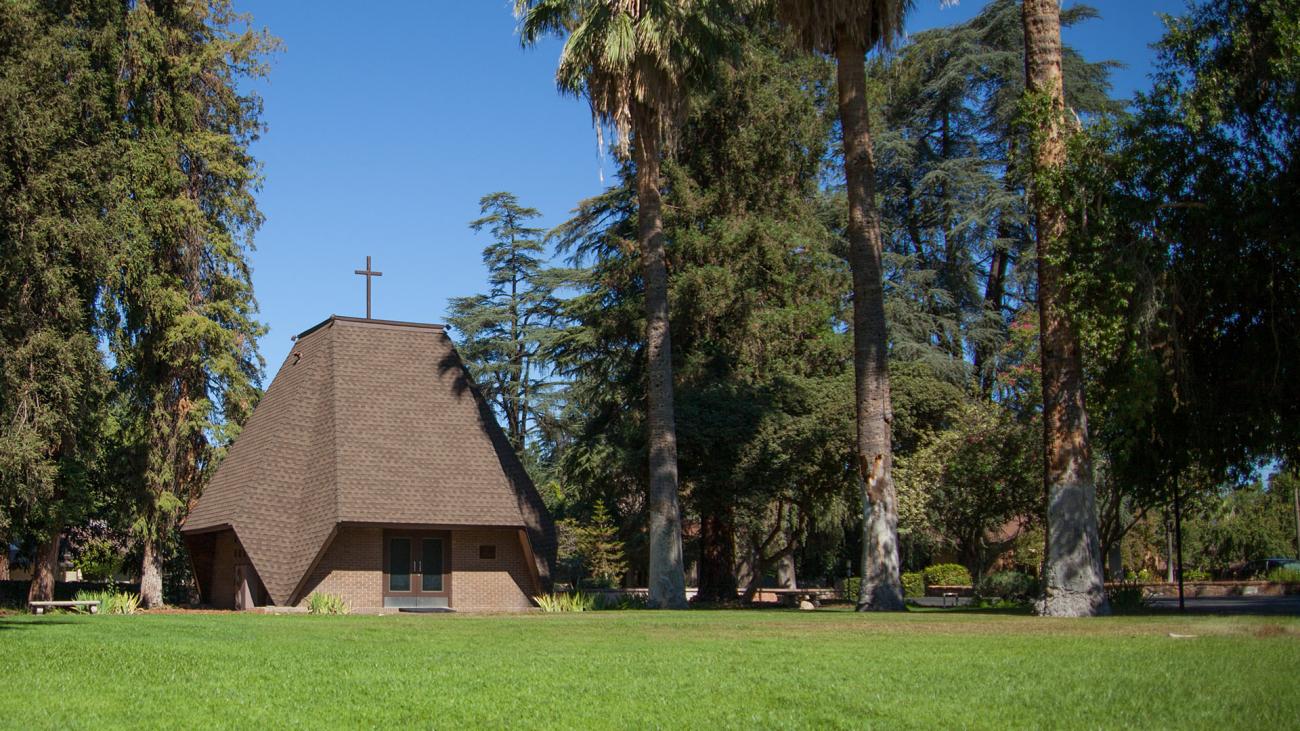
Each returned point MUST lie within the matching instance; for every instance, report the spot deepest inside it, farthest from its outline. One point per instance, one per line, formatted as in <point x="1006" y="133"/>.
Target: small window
<point x="487" y="552"/>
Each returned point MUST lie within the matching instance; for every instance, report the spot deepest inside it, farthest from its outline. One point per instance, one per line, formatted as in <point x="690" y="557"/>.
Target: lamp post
<point x="1178" y="541"/>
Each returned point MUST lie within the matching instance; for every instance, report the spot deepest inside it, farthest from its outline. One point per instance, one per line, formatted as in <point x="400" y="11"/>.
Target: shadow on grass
<point x="7" y="623"/>
<point x="1017" y="611"/>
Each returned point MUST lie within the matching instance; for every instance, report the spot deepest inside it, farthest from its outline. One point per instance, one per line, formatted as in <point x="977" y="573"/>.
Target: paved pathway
<point x="1267" y="605"/>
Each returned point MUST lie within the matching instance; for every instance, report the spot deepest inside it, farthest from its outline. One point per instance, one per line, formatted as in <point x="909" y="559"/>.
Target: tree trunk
<point x="881" y="588"/>
<point x="667" y="573"/>
<point x="151" y="594"/>
<point x="749" y="571"/>
<point x="994" y="293"/>
<point x="1073" y="585"/>
<point x="717" y="557"/>
<point x="1117" y="561"/>
<point x="4" y="559"/>
<point x="45" y="570"/>
<point x="785" y="572"/>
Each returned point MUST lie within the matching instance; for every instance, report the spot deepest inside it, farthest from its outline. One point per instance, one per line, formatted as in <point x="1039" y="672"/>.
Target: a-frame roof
<point x="367" y="422"/>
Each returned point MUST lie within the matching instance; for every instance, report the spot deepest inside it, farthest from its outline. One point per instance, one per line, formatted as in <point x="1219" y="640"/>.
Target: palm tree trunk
<point x="1073" y="583"/>
<point x="45" y="570"/>
<point x="881" y="588"/>
<point x="667" y="574"/>
<point x="150" y="575"/>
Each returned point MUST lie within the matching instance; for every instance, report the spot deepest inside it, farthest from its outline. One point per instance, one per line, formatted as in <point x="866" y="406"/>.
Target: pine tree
<point x="506" y="332"/>
<point x="761" y="363"/>
<point x="601" y="549"/>
<point x="182" y="308"/>
<point x="953" y="204"/>
<point x="57" y="158"/>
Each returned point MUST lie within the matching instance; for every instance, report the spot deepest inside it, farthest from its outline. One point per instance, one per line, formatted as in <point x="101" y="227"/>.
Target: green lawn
<point x="637" y="669"/>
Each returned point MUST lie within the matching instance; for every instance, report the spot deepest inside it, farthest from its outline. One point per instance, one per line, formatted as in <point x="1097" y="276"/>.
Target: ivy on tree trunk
<point x="1073" y="579"/>
<point x="881" y="587"/>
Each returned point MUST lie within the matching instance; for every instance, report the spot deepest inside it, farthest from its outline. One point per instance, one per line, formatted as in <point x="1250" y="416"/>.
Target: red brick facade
<point x="352" y="568"/>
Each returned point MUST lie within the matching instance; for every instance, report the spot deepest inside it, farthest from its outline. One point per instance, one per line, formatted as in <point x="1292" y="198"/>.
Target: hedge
<point x="947" y="574"/>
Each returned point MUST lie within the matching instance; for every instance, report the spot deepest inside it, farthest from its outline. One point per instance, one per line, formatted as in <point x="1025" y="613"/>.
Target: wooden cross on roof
<point x="368" y="274"/>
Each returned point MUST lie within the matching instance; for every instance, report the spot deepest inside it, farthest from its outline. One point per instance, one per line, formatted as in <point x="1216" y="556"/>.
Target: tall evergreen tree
<point x="182" y="309"/>
<point x="848" y="30"/>
<point x="58" y="62"/>
<point x="1073" y="579"/>
<point x="761" y="365"/>
<point x="952" y="202"/>
<point x="634" y="62"/>
<point x="506" y="332"/>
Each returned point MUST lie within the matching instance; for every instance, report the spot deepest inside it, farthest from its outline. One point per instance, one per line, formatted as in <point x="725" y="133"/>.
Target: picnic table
<point x="799" y="596"/>
<point x="40" y="607"/>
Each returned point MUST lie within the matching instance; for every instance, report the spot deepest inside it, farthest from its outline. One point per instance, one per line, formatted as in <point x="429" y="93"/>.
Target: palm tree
<point x="1073" y="578"/>
<point x="633" y="61"/>
<point x="847" y="29"/>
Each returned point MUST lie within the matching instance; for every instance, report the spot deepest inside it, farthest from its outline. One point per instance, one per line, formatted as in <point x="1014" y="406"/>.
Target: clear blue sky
<point x="387" y="122"/>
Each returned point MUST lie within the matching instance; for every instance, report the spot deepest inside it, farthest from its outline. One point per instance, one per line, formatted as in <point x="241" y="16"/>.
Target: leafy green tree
<point x="1212" y="162"/>
<point x="848" y="30"/>
<point x="1240" y="525"/>
<point x="181" y="308"/>
<point x="57" y="157"/>
<point x="634" y="63"/>
<point x="506" y="332"/>
<point x="978" y="483"/>
<point x="1185" y="275"/>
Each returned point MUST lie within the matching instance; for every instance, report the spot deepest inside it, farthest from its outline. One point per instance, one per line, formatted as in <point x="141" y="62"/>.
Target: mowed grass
<point x="641" y="669"/>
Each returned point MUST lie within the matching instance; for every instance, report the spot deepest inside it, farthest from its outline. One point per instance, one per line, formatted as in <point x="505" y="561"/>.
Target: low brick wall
<point x="1190" y="588"/>
<point x="1221" y="588"/>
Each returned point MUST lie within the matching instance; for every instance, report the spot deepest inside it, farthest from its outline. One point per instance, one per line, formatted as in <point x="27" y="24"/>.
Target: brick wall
<point x="223" y="570"/>
<point x="500" y="584"/>
<point x="352" y="568"/>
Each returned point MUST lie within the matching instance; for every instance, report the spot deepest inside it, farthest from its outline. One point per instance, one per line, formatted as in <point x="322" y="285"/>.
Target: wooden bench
<point x="40" y="607"/>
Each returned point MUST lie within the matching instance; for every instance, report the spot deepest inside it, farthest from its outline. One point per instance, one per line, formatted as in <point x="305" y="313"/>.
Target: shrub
<point x="947" y="574"/>
<point x="1196" y="575"/>
<point x="913" y="583"/>
<point x="1284" y="575"/>
<point x="1145" y="576"/>
<point x="320" y="603"/>
<point x="1126" y="597"/>
<point x="621" y="601"/>
<point x="1011" y="586"/>
<point x="573" y="602"/>
<point x="110" y="601"/>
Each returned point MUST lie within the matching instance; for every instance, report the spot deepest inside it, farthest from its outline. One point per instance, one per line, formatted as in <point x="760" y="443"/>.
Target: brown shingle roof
<point x="367" y="421"/>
